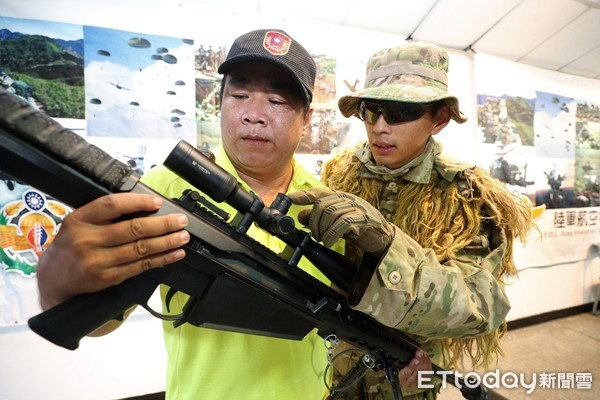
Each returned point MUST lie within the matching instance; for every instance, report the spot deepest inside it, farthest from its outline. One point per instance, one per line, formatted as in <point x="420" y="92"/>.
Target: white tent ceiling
<point x="559" y="35"/>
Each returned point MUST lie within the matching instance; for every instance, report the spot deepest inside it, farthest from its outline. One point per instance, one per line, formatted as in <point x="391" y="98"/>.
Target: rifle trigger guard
<point x="172" y="292"/>
<point x="178" y="318"/>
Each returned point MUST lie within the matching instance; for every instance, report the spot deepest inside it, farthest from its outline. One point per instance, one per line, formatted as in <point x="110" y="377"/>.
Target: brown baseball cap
<point x="277" y="47"/>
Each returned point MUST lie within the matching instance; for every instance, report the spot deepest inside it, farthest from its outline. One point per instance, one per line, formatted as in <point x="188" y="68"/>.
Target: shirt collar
<point x="417" y="170"/>
<point x="301" y="178"/>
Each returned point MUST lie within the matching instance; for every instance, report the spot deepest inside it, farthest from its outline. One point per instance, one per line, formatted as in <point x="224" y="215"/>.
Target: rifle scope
<point x="201" y="172"/>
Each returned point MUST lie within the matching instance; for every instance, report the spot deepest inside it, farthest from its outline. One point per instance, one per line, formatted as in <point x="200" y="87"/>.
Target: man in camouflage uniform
<point x="443" y="228"/>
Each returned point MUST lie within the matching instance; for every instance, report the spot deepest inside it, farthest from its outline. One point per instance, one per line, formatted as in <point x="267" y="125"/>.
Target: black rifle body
<point x="233" y="282"/>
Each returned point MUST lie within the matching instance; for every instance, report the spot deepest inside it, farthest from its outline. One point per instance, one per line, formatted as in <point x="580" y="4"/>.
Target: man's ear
<point x="441" y="119"/>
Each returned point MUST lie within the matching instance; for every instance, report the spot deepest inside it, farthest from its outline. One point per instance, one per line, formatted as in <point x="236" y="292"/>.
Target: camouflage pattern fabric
<point x="374" y="384"/>
<point x="411" y="289"/>
<point x="414" y="72"/>
<point x="337" y="214"/>
<point x="422" y="294"/>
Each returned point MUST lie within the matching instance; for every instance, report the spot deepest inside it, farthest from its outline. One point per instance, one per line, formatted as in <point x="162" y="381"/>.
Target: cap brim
<point x="348" y="105"/>
<point x="227" y="65"/>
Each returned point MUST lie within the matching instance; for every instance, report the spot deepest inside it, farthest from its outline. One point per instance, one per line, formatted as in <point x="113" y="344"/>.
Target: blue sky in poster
<point x="552" y="104"/>
<point x="139" y="85"/>
<point x="116" y="43"/>
<point x="53" y="30"/>
<point x="554" y="126"/>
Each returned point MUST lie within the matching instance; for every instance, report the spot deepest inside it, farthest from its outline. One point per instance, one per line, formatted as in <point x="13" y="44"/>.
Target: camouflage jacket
<point x="413" y="288"/>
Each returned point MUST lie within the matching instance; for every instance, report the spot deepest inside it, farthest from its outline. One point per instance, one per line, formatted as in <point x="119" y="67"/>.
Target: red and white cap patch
<point x="277" y="43"/>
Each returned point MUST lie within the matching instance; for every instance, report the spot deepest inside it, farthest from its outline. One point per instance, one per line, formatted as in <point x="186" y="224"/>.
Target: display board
<point x="135" y="94"/>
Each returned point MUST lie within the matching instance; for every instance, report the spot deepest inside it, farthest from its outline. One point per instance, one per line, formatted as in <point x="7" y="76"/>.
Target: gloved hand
<point x="338" y="214"/>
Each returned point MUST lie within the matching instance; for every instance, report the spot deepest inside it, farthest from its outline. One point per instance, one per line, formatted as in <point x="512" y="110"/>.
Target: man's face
<point x="262" y="117"/>
<point x="395" y="145"/>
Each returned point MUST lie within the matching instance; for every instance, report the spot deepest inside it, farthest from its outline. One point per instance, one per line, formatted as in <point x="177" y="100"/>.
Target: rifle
<point x="233" y="282"/>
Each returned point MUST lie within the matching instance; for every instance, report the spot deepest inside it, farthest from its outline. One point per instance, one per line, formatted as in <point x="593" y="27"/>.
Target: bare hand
<point x="408" y="375"/>
<point x="91" y="253"/>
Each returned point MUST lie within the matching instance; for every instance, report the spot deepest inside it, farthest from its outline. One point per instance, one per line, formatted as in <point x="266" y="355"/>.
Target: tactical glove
<point x="338" y="214"/>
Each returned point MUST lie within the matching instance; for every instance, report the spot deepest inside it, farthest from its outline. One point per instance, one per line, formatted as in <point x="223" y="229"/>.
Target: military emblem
<point x="27" y="227"/>
<point x="277" y="43"/>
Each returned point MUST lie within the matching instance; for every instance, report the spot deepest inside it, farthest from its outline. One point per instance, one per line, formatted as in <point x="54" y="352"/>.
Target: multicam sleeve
<point x="411" y="291"/>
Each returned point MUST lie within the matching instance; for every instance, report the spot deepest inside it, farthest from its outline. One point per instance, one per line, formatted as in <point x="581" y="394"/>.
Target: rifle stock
<point x="233" y="282"/>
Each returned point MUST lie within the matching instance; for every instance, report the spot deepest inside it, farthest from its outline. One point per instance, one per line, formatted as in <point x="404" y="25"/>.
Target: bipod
<point x="362" y="366"/>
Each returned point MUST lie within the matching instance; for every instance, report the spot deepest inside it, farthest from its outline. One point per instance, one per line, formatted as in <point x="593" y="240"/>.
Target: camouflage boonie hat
<point x="414" y="72"/>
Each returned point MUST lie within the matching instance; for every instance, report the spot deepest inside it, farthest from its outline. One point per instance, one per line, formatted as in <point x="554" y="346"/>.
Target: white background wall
<point x="131" y="361"/>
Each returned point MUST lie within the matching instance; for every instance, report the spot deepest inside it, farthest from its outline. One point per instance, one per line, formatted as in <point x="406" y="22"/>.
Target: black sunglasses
<point x="393" y="112"/>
